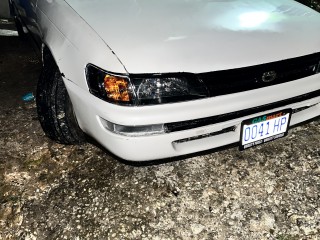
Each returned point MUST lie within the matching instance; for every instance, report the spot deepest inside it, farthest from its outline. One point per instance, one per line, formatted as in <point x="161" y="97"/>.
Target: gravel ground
<point x="52" y="191"/>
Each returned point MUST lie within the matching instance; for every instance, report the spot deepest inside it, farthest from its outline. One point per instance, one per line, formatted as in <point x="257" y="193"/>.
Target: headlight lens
<point x="110" y="87"/>
<point x="144" y="89"/>
<point x="117" y="88"/>
<point x="168" y="88"/>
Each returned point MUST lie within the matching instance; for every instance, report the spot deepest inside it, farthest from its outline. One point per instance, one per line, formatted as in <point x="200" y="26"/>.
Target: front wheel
<point x="55" y="109"/>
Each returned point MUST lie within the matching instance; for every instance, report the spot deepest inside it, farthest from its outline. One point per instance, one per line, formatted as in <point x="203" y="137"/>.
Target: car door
<point x="26" y="10"/>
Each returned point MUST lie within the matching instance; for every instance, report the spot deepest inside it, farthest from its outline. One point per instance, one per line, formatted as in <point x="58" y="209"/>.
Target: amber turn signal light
<point x="116" y="88"/>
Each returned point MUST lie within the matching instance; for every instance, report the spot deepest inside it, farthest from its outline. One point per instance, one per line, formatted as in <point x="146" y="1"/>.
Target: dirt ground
<point x="52" y="191"/>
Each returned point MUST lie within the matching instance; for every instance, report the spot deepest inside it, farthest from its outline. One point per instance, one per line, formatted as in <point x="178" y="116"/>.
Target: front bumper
<point x="90" y="111"/>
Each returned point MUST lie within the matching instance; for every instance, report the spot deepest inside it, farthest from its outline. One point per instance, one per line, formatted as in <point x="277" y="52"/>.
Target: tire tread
<point x="55" y="108"/>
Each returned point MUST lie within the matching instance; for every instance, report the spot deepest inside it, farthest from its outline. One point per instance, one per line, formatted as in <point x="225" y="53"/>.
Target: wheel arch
<point x="46" y="54"/>
<point x="54" y="105"/>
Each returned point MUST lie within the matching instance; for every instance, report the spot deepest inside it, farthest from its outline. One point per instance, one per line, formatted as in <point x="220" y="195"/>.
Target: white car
<point x="157" y="79"/>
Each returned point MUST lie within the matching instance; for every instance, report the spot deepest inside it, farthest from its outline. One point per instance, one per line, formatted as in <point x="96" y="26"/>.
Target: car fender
<point x="73" y="43"/>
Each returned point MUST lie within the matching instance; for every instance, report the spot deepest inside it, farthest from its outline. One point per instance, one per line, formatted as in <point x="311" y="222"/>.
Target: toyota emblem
<point x="269" y="76"/>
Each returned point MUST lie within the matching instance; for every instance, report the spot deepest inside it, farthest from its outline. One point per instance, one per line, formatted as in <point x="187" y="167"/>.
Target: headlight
<point x="168" y="88"/>
<point x="110" y="87"/>
<point x="144" y="89"/>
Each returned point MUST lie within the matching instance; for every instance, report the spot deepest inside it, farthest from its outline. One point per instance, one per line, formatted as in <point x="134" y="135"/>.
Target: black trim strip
<point x="253" y="77"/>
<point x="226" y="130"/>
<point x="190" y="124"/>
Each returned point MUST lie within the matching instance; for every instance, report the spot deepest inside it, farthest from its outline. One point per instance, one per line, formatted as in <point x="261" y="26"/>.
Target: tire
<point x="54" y="107"/>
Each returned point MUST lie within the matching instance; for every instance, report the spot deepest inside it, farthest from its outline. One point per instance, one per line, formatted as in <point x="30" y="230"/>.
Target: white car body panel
<point x="165" y="40"/>
<point x="71" y="50"/>
<point x="144" y="36"/>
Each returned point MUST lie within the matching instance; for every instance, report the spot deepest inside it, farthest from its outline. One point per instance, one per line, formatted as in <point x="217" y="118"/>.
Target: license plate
<point x="265" y="128"/>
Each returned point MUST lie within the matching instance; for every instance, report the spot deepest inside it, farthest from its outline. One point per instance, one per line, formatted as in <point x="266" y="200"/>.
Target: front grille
<point x="259" y="76"/>
<point x="185" y="125"/>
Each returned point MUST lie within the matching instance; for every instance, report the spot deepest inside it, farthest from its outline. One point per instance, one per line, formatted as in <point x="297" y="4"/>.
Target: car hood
<point x="151" y="36"/>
